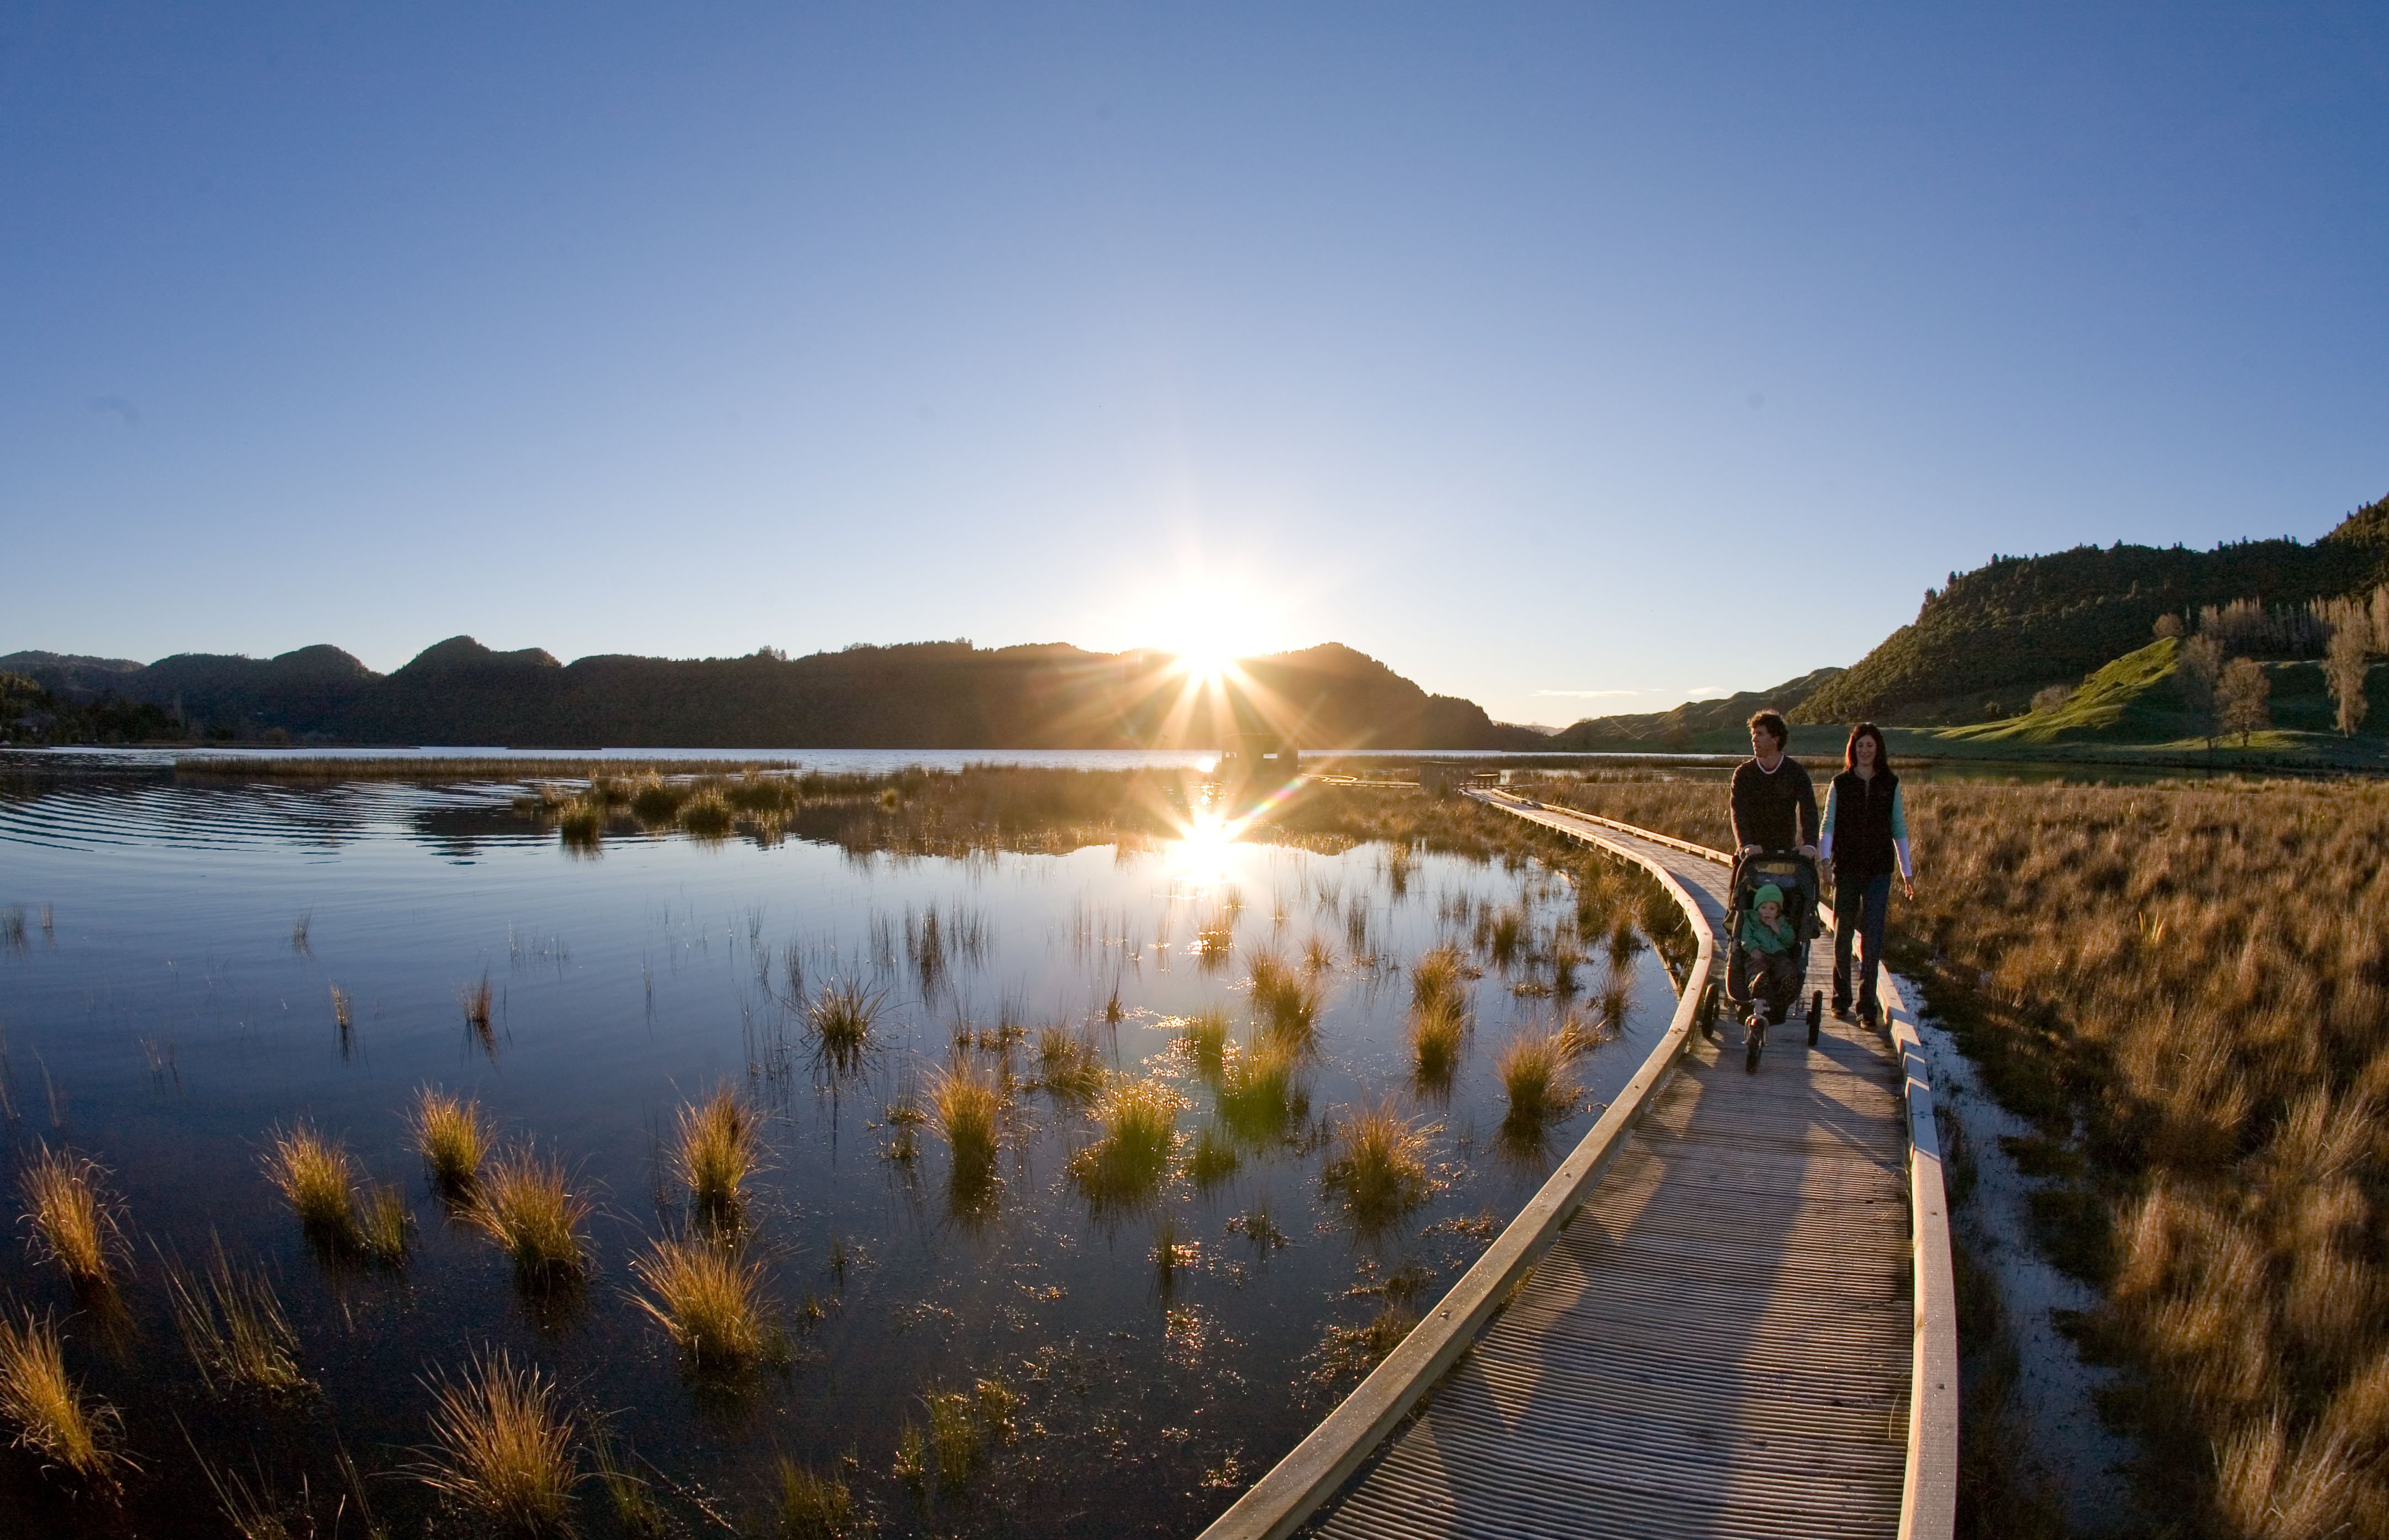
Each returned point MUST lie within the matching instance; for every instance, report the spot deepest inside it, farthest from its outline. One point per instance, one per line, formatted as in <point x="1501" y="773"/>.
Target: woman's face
<point x="1864" y="749"/>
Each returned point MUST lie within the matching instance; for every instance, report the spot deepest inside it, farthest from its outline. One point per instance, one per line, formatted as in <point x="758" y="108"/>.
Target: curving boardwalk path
<point x="1724" y="1340"/>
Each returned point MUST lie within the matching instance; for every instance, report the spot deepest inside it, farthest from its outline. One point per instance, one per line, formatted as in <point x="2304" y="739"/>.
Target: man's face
<point x="1765" y="744"/>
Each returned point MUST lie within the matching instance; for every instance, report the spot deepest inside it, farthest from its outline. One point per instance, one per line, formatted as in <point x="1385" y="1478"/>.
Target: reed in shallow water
<point x="232" y="1325"/>
<point x="73" y="1222"/>
<point x="525" y="1204"/>
<point x="317" y="1178"/>
<point x="502" y="1449"/>
<point x="717" y="1146"/>
<point x="1378" y="1166"/>
<point x="451" y="1135"/>
<point x="67" y="1429"/>
<point x="706" y="1298"/>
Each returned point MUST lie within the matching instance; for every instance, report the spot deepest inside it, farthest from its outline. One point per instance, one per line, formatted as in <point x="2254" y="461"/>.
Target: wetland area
<point x="1085" y="1134"/>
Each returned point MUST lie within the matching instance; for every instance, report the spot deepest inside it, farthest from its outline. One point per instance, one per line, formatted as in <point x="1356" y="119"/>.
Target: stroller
<point x="1797" y="878"/>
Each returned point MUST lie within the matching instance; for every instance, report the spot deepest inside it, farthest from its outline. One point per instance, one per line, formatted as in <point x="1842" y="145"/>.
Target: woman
<point x="1865" y="836"/>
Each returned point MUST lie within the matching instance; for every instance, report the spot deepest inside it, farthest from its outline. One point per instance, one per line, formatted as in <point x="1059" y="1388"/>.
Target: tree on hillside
<point x="2050" y="699"/>
<point x="2202" y="663"/>
<point x="2346" y="664"/>
<point x="2243" y="695"/>
<point x="2168" y="624"/>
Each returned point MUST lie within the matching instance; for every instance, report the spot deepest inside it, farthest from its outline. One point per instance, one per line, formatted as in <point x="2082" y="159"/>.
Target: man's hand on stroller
<point x="1809" y="851"/>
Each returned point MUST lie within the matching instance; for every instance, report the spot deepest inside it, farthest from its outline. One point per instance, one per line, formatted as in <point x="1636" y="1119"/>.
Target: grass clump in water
<point x="385" y="1225"/>
<point x="842" y="1016"/>
<point x="1284" y="999"/>
<point x="1533" y="1069"/>
<point x="233" y="1327"/>
<point x="967" y="1107"/>
<point x="317" y="1176"/>
<point x="815" y="1507"/>
<point x="452" y="1136"/>
<point x="524" y="1205"/>
<point x="74" y="1224"/>
<point x="1137" y="1122"/>
<point x="1378" y="1167"/>
<point x="1205" y="1036"/>
<point x="54" y="1419"/>
<point x="1438" y="1032"/>
<point x="706" y="1298"/>
<point x="708" y="815"/>
<point x="717" y="1148"/>
<point x="503" y="1450"/>
<point x="1437" y="975"/>
<point x="1259" y="1097"/>
<point x="1068" y="1066"/>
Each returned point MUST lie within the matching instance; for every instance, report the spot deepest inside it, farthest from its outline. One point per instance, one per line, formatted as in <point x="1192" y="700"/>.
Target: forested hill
<point x="931" y="694"/>
<point x="2024" y="620"/>
<point x="1641" y="730"/>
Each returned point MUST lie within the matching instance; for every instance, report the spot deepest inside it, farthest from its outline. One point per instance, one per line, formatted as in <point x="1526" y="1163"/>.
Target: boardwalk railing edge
<point x="1277" y="1503"/>
<point x="1928" y="1507"/>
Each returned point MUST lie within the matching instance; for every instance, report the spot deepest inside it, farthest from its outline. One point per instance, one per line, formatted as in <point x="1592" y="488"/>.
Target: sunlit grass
<point x="1378" y="1166"/>
<point x="1533" y="1069"/>
<point x="717" y="1145"/>
<point x="1436" y="975"/>
<point x="1284" y="999"/>
<point x="1136" y="1122"/>
<point x="385" y="1225"/>
<point x="74" y="1224"/>
<point x="706" y="1298"/>
<point x="317" y="1178"/>
<point x="502" y="1449"/>
<point x="967" y="1108"/>
<point x="524" y="1203"/>
<point x="1259" y="1096"/>
<point x="1206" y="1036"/>
<point x="1439" y="1033"/>
<point x="451" y="1135"/>
<point x="842" y="1017"/>
<point x="815" y="1507"/>
<point x="54" y="1419"/>
<point x="1068" y="1066"/>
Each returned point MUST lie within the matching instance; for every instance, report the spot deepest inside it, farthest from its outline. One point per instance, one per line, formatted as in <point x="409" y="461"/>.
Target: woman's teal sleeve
<point x="1898" y="813"/>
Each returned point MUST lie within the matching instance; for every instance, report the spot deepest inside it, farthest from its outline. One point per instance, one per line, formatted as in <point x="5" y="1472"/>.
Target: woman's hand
<point x="1908" y="885"/>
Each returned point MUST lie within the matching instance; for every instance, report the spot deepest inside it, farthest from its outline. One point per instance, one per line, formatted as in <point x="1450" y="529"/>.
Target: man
<point x="1774" y="804"/>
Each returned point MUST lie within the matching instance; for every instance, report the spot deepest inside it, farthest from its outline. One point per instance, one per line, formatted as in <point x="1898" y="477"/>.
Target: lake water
<point x="165" y="1003"/>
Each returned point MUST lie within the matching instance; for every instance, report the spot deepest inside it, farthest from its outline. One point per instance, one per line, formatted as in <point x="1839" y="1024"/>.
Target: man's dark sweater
<point x="1770" y="808"/>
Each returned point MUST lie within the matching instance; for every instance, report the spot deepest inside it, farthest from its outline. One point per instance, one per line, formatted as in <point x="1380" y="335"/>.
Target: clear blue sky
<point x="1529" y="348"/>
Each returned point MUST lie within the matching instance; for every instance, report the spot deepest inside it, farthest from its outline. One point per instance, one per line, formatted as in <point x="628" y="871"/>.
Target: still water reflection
<point x="167" y="1000"/>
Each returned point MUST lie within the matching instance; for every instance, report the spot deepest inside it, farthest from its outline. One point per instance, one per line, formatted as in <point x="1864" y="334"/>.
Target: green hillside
<point x="1696" y="718"/>
<point x="2004" y="630"/>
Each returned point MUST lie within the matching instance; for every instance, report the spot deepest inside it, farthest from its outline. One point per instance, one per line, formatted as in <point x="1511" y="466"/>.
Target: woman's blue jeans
<point x="1859" y="906"/>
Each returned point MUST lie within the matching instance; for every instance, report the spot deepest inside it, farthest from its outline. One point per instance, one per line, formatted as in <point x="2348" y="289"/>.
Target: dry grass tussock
<point x="707" y="1298"/>
<point x="716" y="1147"/>
<point x="73" y="1222"/>
<point x="318" y="1178"/>
<point x="2198" y="972"/>
<point x="452" y="1136"/>
<point x="1136" y="1134"/>
<point x="525" y="1204"/>
<point x="969" y="1109"/>
<point x="502" y="1449"/>
<point x="1533" y="1069"/>
<point x="1378" y="1166"/>
<point x="233" y="1327"/>
<point x="65" y="1430"/>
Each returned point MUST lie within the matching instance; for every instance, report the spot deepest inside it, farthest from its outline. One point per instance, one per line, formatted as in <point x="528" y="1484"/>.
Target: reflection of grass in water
<point x="1257" y="1226"/>
<point x="451" y="1135"/>
<point x="716" y="1147"/>
<point x="1318" y="953"/>
<point x="1438" y="1030"/>
<point x="73" y="1222"/>
<point x="815" y="1507"/>
<point x="628" y="1493"/>
<point x="53" y="1417"/>
<point x="1258" y="1096"/>
<point x="1625" y="945"/>
<point x="1068" y="1065"/>
<point x="1350" y="1351"/>
<point x="1533" y="1069"/>
<point x="524" y="1205"/>
<point x="842" y="1018"/>
<point x="1378" y="1167"/>
<point x="1505" y="934"/>
<point x="1286" y="1000"/>
<point x="1205" y="1036"/>
<point x="706" y="1298"/>
<point x="502" y="1449"/>
<point x="967" y="1107"/>
<point x="233" y="1327"/>
<point x="1137" y="1133"/>
<point x="476" y="1000"/>
<point x="1214" y="1159"/>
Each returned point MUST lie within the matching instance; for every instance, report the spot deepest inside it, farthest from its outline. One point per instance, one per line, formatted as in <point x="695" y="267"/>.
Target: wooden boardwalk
<point x="1722" y="1341"/>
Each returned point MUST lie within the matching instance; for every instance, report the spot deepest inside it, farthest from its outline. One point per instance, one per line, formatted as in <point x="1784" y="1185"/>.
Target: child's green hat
<point x="1770" y="893"/>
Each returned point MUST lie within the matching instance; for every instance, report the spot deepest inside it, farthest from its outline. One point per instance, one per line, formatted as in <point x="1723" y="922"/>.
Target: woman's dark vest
<point x="1862" y="824"/>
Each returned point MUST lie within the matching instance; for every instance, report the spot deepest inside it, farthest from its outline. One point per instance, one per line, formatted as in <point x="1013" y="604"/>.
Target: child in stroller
<point x="1773" y="944"/>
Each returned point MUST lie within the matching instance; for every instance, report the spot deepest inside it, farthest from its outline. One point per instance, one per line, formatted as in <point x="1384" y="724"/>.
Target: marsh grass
<point x="716" y="1147"/>
<point x="1069" y="1069"/>
<point x="318" y="1178"/>
<point x="2185" y="987"/>
<point x="452" y="1136"/>
<point x="1260" y="1096"/>
<point x="1205" y="1036"/>
<point x="1284" y="1000"/>
<point x="502" y="1449"/>
<point x="842" y="1018"/>
<point x="74" y="1222"/>
<point x="1536" y="1082"/>
<point x="1378" y="1166"/>
<point x="1438" y="1030"/>
<point x="65" y="1430"/>
<point x="386" y="1226"/>
<point x="1351" y="1351"/>
<point x="232" y="1325"/>
<point x="524" y="1205"/>
<point x="706" y="1298"/>
<point x="815" y="1507"/>
<point x="1213" y="1160"/>
<point x="628" y="1493"/>
<point x="967" y="1107"/>
<point x="476" y="1000"/>
<point x="1136" y="1135"/>
<point x="1437" y="975"/>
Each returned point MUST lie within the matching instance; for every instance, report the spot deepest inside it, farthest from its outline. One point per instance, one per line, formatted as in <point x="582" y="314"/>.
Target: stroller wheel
<point x="1816" y="1015"/>
<point x="1750" y="1054"/>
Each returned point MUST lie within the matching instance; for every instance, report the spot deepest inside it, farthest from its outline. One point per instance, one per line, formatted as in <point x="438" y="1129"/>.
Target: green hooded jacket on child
<point x="1758" y="935"/>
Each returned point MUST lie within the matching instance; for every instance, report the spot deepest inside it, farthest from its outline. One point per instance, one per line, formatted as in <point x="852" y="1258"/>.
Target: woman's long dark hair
<point x="1882" y="749"/>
